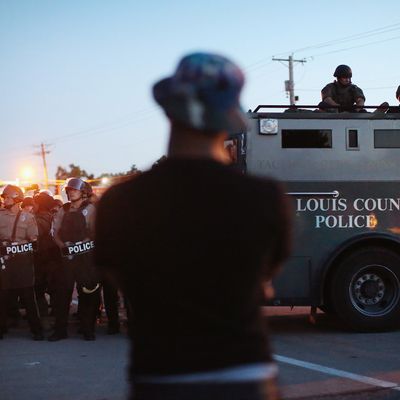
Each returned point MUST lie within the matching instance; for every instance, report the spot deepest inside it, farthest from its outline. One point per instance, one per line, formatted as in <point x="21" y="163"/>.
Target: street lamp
<point x="27" y="173"/>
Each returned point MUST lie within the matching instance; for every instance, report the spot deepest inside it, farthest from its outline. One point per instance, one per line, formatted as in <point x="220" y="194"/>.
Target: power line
<point x="105" y="130"/>
<point x="125" y="120"/>
<point x="358" y="36"/>
<point x="263" y="62"/>
<point x="354" y="47"/>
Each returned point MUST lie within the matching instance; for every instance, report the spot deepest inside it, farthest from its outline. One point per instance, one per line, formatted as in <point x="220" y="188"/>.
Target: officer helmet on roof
<point x="14" y="192"/>
<point x="343" y="71"/>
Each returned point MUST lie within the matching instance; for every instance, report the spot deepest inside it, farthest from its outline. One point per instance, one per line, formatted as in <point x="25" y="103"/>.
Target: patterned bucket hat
<point x="204" y="93"/>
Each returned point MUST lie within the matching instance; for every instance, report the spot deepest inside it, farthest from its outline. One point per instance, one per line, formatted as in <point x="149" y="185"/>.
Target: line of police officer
<point x="39" y="251"/>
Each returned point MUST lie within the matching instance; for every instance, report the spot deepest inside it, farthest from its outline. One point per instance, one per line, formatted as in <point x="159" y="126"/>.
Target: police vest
<point x="73" y="225"/>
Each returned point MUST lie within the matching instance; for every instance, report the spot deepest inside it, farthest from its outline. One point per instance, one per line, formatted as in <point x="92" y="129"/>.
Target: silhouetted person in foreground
<point x="194" y="274"/>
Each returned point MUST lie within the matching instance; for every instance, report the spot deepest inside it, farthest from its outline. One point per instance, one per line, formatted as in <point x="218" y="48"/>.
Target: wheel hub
<point x="369" y="289"/>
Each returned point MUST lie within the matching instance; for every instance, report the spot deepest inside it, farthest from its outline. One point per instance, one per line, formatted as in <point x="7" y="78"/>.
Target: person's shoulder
<point x="265" y="184"/>
<point x="328" y="90"/>
<point x="119" y="193"/>
<point x="257" y="186"/>
<point x="357" y="90"/>
<point x="90" y="206"/>
<point x="114" y="192"/>
<point x="61" y="211"/>
<point x="328" y="86"/>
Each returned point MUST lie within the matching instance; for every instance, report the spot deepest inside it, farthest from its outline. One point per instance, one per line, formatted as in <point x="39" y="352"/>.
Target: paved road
<point x="325" y="361"/>
<point x="71" y="369"/>
<point x="316" y="362"/>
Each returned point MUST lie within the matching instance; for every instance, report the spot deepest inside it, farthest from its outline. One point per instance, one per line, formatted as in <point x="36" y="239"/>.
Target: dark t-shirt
<point x="191" y="242"/>
<point x="346" y="96"/>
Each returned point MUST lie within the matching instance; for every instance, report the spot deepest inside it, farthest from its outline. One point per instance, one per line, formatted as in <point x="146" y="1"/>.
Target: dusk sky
<point x="77" y="75"/>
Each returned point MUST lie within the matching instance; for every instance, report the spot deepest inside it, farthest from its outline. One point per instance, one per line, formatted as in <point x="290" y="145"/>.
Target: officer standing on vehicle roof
<point x="341" y="95"/>
<point x="74" y="233"/>
<point x="18" y="235"/>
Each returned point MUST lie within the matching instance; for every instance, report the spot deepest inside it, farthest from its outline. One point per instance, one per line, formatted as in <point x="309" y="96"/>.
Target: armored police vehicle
<point x="342" y="171"/>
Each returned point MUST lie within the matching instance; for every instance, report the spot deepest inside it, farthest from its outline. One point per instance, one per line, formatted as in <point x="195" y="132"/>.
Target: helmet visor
<point x="74" y="183"/>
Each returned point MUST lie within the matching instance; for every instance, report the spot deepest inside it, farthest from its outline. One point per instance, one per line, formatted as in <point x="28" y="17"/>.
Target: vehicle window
<point x="352" y="139"/>
<point x="306" y="138"/>
<point x="387" y="138"/>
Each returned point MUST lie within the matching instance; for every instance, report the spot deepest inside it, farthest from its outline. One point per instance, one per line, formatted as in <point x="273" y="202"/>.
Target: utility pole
<point x="289" y="85"/>
<point x="43" y="153"/>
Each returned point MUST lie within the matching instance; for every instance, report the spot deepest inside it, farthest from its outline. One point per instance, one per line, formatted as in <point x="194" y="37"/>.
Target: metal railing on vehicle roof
<point x="296" y="107"/>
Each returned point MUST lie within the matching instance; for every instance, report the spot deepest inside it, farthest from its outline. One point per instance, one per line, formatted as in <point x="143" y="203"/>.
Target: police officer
<point x="109" y="288"/>
<point x="48" y="254"/>
<point x="342" y="95"/>
<point x="18" y="235"/>
<point x="74" y="232"/>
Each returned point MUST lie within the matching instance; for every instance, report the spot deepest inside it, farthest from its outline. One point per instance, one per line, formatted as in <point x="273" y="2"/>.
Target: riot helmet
<point x="343" y="71"/>
<point x="78" y="184"/>
<point x="13" y="192"/>
<point x="74" y="183"/>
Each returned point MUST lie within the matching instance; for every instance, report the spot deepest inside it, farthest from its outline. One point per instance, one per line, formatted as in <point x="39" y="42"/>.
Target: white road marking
<point x="337" y="372"/>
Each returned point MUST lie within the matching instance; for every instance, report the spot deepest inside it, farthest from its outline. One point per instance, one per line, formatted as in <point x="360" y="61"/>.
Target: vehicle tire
<point x="365" y="289"/>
